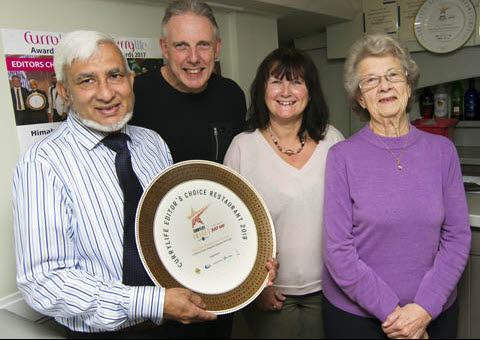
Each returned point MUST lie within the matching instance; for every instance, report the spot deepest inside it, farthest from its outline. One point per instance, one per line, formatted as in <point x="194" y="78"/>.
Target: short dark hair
<point x="293" y="64"/>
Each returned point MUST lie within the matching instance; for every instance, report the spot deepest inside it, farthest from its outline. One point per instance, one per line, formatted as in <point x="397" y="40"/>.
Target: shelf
<point x="468" y="124"/>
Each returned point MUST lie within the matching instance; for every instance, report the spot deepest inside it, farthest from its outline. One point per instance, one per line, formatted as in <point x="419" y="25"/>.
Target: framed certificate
<point x="380" y="17"/>
<point x="442" y="26"/>
<point x="202" y="226"/>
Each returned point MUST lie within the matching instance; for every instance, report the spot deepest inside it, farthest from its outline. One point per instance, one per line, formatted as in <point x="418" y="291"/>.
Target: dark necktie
<point x="134" y="273"/>
<point x="17" y="94"/>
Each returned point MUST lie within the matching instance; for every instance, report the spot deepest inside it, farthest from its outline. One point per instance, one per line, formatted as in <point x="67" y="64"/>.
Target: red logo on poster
<point x="41" y="39"/>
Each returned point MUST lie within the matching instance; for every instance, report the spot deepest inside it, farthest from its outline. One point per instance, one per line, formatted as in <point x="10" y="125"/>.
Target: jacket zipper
<point x="215" y="133"/>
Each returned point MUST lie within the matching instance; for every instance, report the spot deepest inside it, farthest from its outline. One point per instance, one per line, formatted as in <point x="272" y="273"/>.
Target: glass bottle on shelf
<point x="441" y="102"/>
<point x="456" y="98"/>
<point x="470" y="101"/>
<point x="426" y="103"/>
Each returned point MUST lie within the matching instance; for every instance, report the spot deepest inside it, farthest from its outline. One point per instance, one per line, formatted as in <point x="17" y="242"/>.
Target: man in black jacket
<point x="196" y="111"/>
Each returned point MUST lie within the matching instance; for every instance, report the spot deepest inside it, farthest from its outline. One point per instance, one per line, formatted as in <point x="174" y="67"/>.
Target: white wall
<point x="251" y="32"/>
<point x="331" y="75"/>
<point x="243" y="48"/>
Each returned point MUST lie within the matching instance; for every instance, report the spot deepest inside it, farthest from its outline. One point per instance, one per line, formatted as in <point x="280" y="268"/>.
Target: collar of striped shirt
<point x="86" y="136"/>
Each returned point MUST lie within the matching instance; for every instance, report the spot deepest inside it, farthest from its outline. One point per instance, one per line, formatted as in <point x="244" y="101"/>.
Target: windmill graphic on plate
<point x="200" y="232"/>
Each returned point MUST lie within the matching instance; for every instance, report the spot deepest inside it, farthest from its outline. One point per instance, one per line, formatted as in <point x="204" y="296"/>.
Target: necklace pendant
<point x="399" y="166"/>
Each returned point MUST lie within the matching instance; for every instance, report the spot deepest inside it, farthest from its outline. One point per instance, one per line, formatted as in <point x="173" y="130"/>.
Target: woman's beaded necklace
<point x="288" y="152"/>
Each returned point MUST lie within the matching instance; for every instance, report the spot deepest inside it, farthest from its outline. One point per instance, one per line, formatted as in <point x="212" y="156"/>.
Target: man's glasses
<point x="372" y="81"/>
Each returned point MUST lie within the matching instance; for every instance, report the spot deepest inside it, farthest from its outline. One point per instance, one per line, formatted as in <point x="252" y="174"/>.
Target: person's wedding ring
<point x="274" y="306"/>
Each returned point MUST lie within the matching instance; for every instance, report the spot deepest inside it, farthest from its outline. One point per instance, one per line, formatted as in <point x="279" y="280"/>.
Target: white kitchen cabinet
<point x="469" y="293"/>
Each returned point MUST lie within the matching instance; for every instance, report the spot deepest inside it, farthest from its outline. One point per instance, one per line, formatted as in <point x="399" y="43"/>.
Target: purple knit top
<point x="393" y="237"/>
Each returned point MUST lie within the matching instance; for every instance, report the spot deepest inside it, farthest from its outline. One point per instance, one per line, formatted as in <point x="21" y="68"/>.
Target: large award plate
<point x="442" y="26"/>
<point x="202" y="226"/>
<point x="36" y="101"/>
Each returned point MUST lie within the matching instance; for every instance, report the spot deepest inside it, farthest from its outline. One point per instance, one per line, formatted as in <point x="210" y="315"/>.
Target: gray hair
<point x="376" y="45"/>
<point x="180" y="7"/>
<point x="80" y="46"/>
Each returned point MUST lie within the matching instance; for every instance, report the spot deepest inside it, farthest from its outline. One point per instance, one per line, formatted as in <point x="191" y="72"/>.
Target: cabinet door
<point x="469" y="300"/>
<point x="475" y="297"/>
<point x="469" y="293"/>
<point x="464" y="303"/>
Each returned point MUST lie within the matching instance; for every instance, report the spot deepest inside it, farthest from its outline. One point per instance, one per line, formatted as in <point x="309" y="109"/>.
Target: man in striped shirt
<point x="69" y="206"/>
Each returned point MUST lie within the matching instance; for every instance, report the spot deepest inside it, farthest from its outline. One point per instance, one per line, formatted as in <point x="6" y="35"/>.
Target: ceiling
<point x="296" y="18"/>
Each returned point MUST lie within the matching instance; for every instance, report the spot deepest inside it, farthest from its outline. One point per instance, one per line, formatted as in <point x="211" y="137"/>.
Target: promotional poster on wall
<point x="37" y="107"/>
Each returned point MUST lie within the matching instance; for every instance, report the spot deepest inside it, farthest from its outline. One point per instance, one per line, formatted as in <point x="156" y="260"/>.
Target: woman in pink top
<point x="283" y="155"/>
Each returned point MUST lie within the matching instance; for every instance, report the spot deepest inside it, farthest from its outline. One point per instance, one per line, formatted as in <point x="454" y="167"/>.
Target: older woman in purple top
<point x="397" y="234"/>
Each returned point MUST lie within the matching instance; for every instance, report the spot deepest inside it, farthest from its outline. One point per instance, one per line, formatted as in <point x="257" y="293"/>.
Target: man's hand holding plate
<point x="185" y="307"/>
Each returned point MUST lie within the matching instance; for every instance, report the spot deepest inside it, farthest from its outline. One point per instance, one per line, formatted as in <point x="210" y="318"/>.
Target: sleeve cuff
<point x="388" y="309"/>
<point x="430" y="303"/>
<point x="147" y="303"/>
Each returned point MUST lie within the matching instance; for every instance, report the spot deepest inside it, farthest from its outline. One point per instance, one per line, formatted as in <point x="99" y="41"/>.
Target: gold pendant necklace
<point x="399" y="164"/>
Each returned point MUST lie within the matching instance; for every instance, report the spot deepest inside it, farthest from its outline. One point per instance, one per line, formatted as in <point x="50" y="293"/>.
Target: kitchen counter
<point x="473" y="199"/>
<point x="470" y="160"/>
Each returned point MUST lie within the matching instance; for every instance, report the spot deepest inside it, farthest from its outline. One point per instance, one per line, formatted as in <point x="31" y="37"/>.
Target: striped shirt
<point x="68" y="217"/>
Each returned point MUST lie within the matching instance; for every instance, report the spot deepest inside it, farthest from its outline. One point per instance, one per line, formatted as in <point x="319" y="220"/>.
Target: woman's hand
<point x="272" y="267"/>
<point x="407" y="322"/>
<point x="269" y="300"/>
